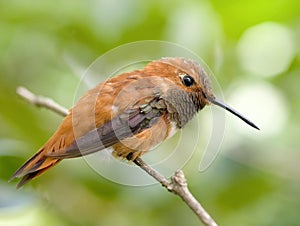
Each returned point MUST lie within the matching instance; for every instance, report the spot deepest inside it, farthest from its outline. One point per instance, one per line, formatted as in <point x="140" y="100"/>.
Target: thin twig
<point x="177" y="185"/>
<point x="41" y="101"/>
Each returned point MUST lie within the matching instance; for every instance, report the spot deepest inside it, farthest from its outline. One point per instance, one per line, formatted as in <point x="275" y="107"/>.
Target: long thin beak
<point x="230" y="109"/>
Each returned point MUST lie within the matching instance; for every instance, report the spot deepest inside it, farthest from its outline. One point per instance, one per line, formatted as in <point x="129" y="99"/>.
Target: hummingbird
<point x="130" y="113"/>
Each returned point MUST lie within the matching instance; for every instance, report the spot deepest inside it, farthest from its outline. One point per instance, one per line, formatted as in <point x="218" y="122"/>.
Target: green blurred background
<point x="251" y="46"/>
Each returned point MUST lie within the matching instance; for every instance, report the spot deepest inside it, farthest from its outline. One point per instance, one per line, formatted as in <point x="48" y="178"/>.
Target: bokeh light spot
<point x="263" y="104"/>
<point x="266" y="49"/>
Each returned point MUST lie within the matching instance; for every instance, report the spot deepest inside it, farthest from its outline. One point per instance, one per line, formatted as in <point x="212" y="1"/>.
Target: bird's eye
<point x="188" y="80"/>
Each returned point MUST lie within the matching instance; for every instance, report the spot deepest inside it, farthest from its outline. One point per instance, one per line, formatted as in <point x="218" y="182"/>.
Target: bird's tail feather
<point x="34" y="167"/>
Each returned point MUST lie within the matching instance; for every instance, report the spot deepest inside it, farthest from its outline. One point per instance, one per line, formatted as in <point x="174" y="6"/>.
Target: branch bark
<point x="41" y="101"/>
<point x="178" y="183"/>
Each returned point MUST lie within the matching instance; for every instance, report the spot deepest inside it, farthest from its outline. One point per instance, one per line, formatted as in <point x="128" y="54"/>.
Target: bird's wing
<point x="130" y="122"/>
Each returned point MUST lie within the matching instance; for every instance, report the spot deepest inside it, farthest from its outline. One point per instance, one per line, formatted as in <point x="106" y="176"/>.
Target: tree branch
<point x="40" y="101"/>
<point x="177" y="185"/>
